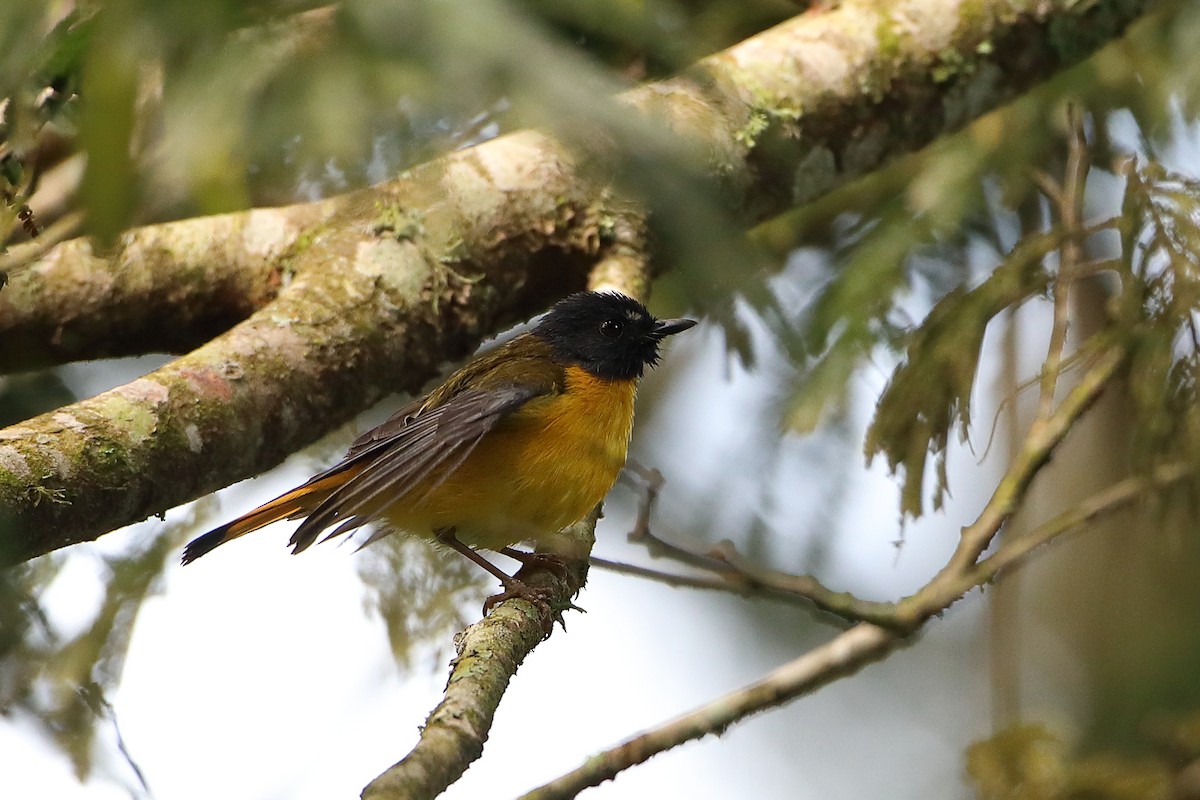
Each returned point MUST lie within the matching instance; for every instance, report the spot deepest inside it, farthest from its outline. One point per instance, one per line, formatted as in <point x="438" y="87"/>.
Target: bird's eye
<point x="611" y="328"/>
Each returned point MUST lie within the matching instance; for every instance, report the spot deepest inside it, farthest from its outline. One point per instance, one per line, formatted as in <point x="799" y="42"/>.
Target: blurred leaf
<point x="90" y="664"/>
<point x="1019" y="763"/>
<point x="1156" y="308"/>
<point x="1027" y="762"/>
<point x="110" y="88"/>
<point x="64" y="55"/>
<point x="930" y="391"/>
<point x="418" y="592"/>
<point x="825" y="387"/>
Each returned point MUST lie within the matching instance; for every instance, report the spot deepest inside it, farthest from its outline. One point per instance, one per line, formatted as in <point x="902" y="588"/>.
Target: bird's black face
<point x="608" y="334"/>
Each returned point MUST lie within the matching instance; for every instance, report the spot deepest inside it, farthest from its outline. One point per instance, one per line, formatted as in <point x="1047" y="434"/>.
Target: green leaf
<point x="930" y="391"/>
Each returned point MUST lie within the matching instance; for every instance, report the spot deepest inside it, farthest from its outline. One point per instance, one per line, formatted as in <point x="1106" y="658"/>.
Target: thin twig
<point x="1039" y="445"/>
<point x="1015" y="552"/>
<point x="1069" y="200"/>
<point x="744" y="577"/>
<point x="20" y="256"/>
<point x="1003" y="616"/>
<point x="718" y="583"/>
<point x="849" y="652"/>
<point x="1049" y="186"/>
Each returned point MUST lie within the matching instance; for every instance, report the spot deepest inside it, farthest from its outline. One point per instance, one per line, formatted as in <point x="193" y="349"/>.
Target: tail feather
<point x="205" y="544"/>
<point x="298" y="502"/>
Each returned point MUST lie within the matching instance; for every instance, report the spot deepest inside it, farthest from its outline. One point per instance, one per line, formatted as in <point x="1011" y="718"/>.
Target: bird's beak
<point x="668" y="327"/>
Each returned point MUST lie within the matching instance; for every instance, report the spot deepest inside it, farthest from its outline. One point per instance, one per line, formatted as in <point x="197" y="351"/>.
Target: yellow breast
<point x="543" y="468"/>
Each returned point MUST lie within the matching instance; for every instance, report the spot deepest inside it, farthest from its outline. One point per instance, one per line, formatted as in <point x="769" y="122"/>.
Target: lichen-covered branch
<point x="379" y="292"/>
<point x="827" y="96"/>
<point x="376" y="288"/>
<point x="161" y="289"/>
<point x="488" y="655"/>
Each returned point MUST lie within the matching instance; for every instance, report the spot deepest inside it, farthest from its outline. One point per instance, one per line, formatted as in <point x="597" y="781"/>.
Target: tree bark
<point x="369" y="292"/>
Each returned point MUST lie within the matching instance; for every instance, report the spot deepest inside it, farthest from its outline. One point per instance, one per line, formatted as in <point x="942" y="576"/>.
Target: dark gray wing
<point x="414" y="447"/>
<point x="386" y="430"/>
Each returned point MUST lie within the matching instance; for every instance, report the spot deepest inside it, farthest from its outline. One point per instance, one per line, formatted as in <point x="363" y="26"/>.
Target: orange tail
<point x="294" y="504"/>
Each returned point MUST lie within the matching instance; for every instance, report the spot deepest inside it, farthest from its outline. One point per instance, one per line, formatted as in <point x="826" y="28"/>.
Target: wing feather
<point x="415" y="448"/>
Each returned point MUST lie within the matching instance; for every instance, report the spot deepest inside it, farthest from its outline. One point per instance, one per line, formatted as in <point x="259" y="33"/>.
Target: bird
<point x="515" y="445"/>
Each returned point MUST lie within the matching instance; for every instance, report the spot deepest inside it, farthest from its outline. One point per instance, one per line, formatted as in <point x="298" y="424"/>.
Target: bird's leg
<point x="512" y="587"/>
<point x="551" y="563"/>
<point x="446" y="536"/>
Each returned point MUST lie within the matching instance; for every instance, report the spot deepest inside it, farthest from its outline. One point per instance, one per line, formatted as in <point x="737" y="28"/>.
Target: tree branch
<point x="792" y="113"/>
<point x="488" y="655"/>
<point x="1014" y="553"/>
<point x="383" y="290"/>
<point x="1039" y="444"/>
<point x="736" y="574"/>
<point x="846" y="654"/>
<point x="162" y="288"/>
<point x="724" y="559"/>
<point x="730" y="581"/>
<point x="781" y="118"/>
<point x="1068" y="199"/>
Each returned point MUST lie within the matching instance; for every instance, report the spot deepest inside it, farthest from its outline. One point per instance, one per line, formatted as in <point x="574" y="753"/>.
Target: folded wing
<point x="408" y="457"/>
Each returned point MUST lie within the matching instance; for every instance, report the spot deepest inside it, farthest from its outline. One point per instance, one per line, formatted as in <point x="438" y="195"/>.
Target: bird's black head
<point x="608" y="334"/>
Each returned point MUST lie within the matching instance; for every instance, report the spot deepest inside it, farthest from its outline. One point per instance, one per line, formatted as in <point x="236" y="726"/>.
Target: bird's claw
<point x="549" y="611"/>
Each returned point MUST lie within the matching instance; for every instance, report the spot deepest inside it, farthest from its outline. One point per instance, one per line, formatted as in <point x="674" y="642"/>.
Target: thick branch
<point x="162" y="289"/>
<point x="797" y="111"/>
<point x="378" y="301"/>
<point x="396" y="280"/>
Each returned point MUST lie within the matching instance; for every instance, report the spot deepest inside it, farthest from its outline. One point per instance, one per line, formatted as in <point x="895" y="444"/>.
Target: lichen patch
<point x="267" y="233"/>
<point x="13" y="462"/>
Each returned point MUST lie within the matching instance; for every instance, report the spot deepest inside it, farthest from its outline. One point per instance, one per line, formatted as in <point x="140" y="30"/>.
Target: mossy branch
<point x="366" y="306"/>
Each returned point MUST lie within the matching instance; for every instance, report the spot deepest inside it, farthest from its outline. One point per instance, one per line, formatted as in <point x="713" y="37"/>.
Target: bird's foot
<point x="549" y="610"/>
<point x="516" y="590"/>
<point x="557" y="565"/>
<point x="537" y="596"/>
